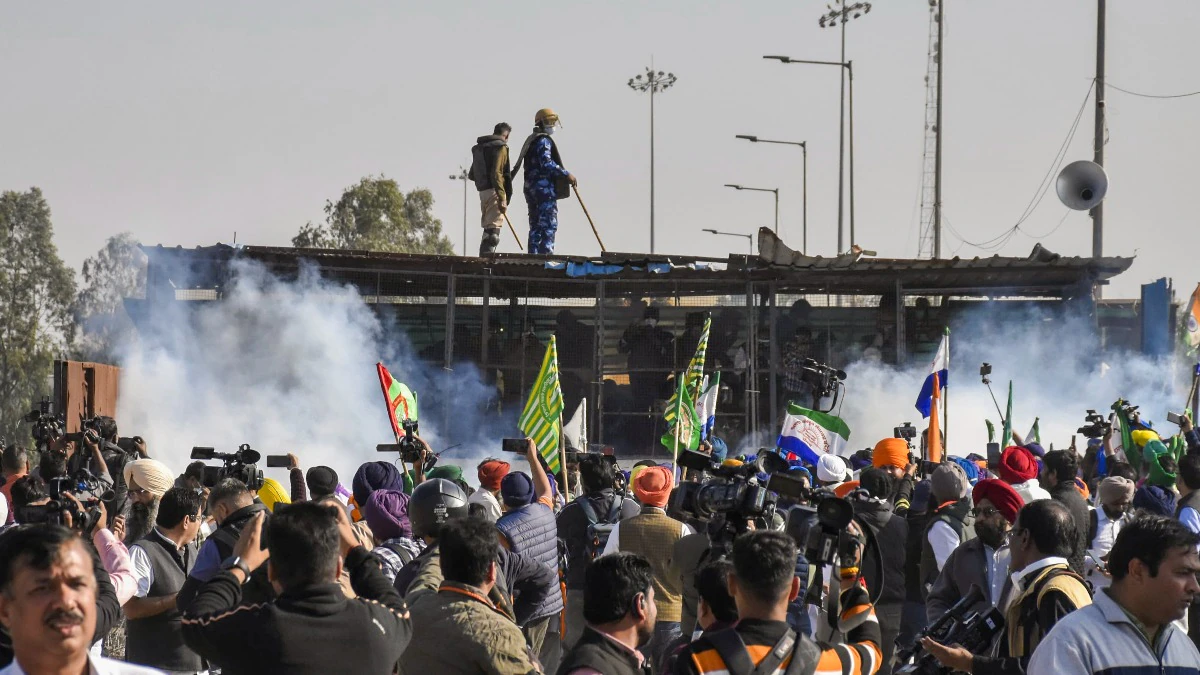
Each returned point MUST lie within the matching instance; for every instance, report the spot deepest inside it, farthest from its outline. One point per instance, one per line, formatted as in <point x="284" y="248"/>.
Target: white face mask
<point x="549" y="130"/>
<point x="652" y="322"/>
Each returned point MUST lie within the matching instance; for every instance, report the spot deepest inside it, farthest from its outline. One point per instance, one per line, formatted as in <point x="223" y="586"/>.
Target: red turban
<point x="890" y="452"/>
<point x="1001" y="495"/>
<point x="1017" y="465"/>
<point x="653" y="486"/>
<point x="491" y="473"/>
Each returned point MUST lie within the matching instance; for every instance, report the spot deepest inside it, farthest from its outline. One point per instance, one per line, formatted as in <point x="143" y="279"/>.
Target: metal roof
<point x="1041" y="274"/>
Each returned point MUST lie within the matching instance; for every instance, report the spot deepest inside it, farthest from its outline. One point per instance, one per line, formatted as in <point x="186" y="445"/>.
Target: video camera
<point x="973" y="632"/>
<point x="85" y="486"/>
<point x="408" y="447"/>
<point x="240" y="465"/>
<point x="825" y="381"/>
<point x="1095" y="425"/>
<point x="47" y="427"/>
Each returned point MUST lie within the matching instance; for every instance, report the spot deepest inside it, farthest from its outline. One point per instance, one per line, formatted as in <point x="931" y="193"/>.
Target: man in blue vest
<point x="546" y="181"/>
<point x="528" y="527"/>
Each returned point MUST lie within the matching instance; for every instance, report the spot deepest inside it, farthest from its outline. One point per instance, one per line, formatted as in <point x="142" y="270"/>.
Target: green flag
<point x="1035" y="433"/>
<point x="1007" y="437"/>
<point x="1132" y="454"/>
<point x="542" y="417"/>
<point x="991" y="431"/>
<point x="694" y="377"/>
<point x="687" y="423"/>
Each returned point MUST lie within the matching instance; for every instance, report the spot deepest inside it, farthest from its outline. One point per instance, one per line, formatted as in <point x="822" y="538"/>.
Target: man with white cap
<point x="831" y="471"/>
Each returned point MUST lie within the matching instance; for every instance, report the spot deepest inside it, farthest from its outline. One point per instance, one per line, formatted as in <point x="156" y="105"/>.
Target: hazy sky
<point x="186" y="122"/>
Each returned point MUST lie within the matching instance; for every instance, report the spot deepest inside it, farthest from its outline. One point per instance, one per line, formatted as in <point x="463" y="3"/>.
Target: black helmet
<point x="433" y="503"/>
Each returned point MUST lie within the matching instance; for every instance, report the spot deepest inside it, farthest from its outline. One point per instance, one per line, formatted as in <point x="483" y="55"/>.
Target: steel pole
<point x="776" y="212"/>
<point x="842" y="140"/>
<point x="804" y="240"/>
<point x="1098" y="210"/>
<point x="464" y="182"/>
<point x="652" y="168"/>
<point x="937" y="152"/>
<point x="850" y="74"/>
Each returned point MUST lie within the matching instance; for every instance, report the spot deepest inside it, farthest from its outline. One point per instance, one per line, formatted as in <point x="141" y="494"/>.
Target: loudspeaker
<point x="1082" y="185"/>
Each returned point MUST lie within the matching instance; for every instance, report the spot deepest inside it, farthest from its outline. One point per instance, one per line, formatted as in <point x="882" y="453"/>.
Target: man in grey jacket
<point x="1128" y="627"/>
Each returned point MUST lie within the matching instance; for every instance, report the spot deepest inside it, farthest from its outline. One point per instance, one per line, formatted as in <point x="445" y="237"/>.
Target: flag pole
<point x="562" y="458"/>
<point x="678" y="423"/>
<point x="946" y="400"/>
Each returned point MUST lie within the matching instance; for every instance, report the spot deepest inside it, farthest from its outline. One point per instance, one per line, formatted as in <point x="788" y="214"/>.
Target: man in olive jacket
<point x="458" y="629"/>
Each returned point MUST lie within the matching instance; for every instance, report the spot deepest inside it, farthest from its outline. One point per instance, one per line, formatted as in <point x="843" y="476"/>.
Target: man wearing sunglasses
<point x="982" y="561"/>
<point x="161" y="562"/>
<point x="1044" y="591"/>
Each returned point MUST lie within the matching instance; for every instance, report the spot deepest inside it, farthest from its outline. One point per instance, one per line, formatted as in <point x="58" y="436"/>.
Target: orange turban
<point x="890" y="452"/>
<point x="653" y="486"/>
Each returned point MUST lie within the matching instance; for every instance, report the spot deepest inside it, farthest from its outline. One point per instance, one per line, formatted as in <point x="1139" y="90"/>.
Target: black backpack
<point x="598" y="531"/>
<point x="404" y="554"/>
<point x="804" y="654"/>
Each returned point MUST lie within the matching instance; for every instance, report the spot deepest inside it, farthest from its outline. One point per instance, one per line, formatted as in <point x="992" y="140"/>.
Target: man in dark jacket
<point x="621" y="615"/>
<point x="596" y="510"/>
<point x="889" y="534"/>
<point x="310" y="626"/>
<point x="1046" y="591"/>
<point x="528" y="527"/>
<point x="493" y="178"/>
<point x="951" y="523"/>
<point x="458" y="631"/>
<point x="981" y="561"/>
<point x="1061" y="468"/>
<point x="233" y="506"/>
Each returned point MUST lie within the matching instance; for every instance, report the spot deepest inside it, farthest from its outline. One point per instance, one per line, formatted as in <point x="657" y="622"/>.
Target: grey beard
<point x="140" y="521"/>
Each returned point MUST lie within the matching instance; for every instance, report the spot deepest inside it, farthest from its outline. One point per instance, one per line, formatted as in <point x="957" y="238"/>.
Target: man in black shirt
<point x="1061" y="468"/>
<point x="310" y="626"/>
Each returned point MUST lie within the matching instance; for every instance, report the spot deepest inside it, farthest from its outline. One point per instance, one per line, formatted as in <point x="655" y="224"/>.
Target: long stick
<point x="562" y="459"/>
<point x="513" y="230"/>
<point x="946" y="392"/>
<point x="589" y="217"/>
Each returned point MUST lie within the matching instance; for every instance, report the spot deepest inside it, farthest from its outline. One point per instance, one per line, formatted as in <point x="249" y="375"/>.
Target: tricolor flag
<point x="542" y="417"/>
<point x="401" y="401"/>
<point x="933" y="439"/>
<point x="706" y="406"/>
<point x="808" y="434"/>
<point x="575" y="429"/>
<point x="940" y="366"/>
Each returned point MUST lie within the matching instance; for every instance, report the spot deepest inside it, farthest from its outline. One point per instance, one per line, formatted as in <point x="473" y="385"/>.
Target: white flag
<point x="575" y="430"/>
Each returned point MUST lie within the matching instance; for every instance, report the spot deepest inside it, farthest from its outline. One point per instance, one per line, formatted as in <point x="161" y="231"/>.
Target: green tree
<point x="36" y="295"/>
<point x="375" y="215"/>
<point x="116" y="272"/>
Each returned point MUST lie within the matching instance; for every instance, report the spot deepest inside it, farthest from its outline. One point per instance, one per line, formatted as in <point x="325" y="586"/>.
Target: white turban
<point x="150" y="474"/>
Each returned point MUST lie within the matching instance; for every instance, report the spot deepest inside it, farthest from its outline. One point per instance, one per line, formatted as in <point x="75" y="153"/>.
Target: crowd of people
<point x="1089" y="562"/>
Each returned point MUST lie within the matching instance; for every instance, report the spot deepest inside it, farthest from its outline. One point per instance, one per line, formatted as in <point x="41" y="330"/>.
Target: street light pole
<point x="653" y="82"/>
<point x="462" y="175"/>
<point x="804" y="147"/>
<point x="756" y="189"/>
<point x="749" y="237"/>
<point x="841" y="152"/>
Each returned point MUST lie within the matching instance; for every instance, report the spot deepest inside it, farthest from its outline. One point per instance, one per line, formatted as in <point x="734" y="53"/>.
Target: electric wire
<point x="1159" y="96"/>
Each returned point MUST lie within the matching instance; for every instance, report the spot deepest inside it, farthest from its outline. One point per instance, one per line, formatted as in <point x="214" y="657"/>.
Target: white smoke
<point x="290" y="367"/>
<point x="1056" y="367"/>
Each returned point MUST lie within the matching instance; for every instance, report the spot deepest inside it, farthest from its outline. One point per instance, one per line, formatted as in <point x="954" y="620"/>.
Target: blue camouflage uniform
<point x="540" y="172"/>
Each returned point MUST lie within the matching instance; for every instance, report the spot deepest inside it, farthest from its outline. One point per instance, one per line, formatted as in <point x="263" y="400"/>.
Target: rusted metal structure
<point x="496" y="313"/>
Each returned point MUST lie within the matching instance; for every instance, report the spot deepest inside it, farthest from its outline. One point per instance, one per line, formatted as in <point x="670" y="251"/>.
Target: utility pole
<point x="652" y="81"/>
<point x="1098" y="209"/>
<point x="937" y="176"/>
<point x="462" y="175"/>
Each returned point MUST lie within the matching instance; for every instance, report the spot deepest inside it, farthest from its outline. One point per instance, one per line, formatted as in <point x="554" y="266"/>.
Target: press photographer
<point x="762" y="584"/>
<point x="233" y="506"/>
<point x="1044" y="591"/>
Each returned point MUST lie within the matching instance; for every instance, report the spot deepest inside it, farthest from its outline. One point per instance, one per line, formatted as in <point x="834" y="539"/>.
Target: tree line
<point x="46" y="313"/>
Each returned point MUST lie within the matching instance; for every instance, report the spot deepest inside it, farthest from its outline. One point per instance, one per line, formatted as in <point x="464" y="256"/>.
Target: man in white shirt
<point x="1106" y="521"/>
<point x="491" y="472"/>
<point x="48" y="604"/>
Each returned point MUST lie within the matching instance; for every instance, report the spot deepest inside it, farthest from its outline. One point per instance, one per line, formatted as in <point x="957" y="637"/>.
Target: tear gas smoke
<point x="290" y="367"/>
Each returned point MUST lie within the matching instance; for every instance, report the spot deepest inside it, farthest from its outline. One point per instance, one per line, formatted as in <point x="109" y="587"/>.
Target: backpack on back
<point x="598" y="531"/>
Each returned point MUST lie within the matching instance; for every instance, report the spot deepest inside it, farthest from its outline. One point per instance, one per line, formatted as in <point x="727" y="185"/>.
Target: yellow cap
<point x="545" y="115"/>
